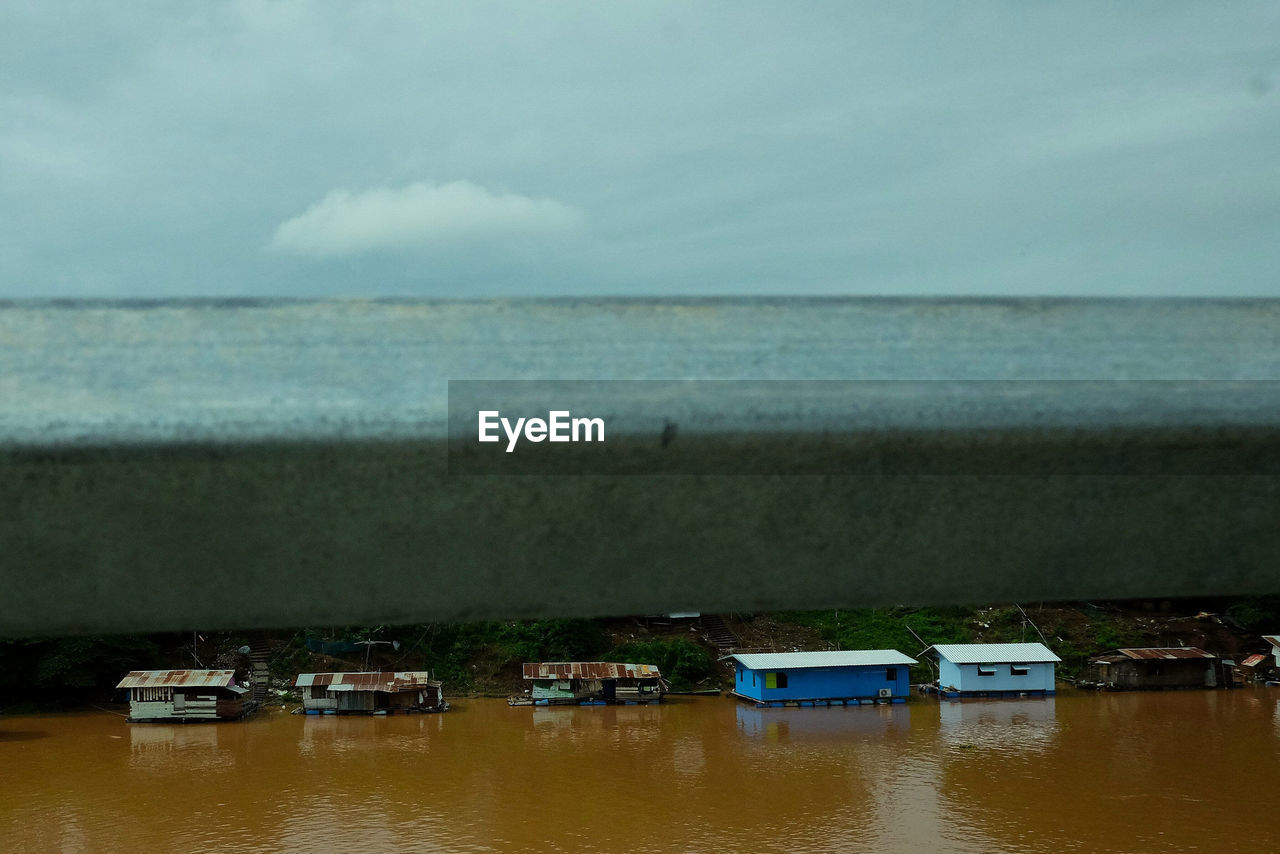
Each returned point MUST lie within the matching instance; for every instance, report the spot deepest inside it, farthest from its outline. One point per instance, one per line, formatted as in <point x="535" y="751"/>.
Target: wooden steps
<point x="717" y="632"/>
<point x="261" y="661"/>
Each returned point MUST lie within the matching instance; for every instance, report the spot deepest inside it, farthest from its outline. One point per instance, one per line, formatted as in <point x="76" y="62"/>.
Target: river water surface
<point x="1180" y="771"/>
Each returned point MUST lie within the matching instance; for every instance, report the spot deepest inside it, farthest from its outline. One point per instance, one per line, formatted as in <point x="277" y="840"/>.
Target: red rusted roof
<point x="179" y="679"/>
<point x="589" y="670"/>
<point x="1254" y="660"/>
<point x="1157" y="653"/>
<point x="392" y="683"/>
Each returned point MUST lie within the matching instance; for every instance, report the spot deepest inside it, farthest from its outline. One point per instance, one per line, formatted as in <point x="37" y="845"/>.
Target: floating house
<point x="369" y="693"/>
<point x="822" y="678"/>
<point x="566" y="683"/>
<point x="184" y="695"/>
<point x="1155" y="668"/>
<point x="993" y="669"/>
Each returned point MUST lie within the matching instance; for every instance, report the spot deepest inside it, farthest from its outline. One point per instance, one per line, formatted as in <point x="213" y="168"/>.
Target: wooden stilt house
<point x="184" y="695"/>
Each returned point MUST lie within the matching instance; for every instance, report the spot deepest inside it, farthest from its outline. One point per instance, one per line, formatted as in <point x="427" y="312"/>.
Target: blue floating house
<point x="822" y="678"/>
<point x="993" y="669"/>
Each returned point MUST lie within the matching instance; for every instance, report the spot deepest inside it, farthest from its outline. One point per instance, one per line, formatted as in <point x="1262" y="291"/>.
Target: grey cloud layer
<point x="463" y="149"/>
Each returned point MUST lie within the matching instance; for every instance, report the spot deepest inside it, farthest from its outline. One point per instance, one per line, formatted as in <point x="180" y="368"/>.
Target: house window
<point x="1019" y="669"/>
<point x="775" y="680"/>
<point x="739" y="675"/>
<point x="986" y="670"/>
<point x="891" y="674"/>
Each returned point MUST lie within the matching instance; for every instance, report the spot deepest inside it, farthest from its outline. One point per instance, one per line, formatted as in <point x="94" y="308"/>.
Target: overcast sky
<point x="471" y="149"/>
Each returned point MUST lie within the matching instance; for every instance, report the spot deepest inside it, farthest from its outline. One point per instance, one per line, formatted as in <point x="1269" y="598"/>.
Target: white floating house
<point x="184" y="695"/>
<point x="993" y="669"/>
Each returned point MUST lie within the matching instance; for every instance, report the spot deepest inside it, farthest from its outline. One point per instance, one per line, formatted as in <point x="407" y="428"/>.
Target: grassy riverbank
<point x="485" y="658"/>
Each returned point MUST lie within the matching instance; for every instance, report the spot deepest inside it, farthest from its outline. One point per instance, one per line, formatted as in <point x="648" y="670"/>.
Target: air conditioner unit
<point x="886" y="693"/>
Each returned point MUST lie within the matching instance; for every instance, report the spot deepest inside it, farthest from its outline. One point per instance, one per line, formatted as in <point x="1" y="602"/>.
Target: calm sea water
<point x="84" y="371"/>
<point x="1179" y="771"/>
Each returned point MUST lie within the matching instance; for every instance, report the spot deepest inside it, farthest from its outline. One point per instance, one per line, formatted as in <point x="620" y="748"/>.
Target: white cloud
<point x="420" y="216"/>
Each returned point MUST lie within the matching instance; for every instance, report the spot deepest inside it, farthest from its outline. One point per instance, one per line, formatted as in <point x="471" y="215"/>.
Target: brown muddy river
<point x="1178" y="771"/>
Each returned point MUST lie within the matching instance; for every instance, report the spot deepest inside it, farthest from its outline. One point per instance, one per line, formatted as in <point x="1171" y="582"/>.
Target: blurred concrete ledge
<point x="188" y="465"/>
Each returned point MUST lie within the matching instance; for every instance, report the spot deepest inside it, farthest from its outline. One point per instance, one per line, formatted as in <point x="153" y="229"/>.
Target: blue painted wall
<point x="819" y="683"/>
<point x="964" y="677"/>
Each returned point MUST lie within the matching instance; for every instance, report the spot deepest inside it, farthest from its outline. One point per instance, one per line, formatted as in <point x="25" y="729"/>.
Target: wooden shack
<point x="1155" y="668"/>
<point x="377" y="693"/>
<point x="184" y="695"/>
<point x="557" y="683"/>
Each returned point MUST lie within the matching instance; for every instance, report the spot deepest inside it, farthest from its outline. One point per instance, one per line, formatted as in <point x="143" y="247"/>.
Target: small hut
<point x="994" y="669"/>
<point x="564" y="683"/>
<point x="1155" y="668"/>
<point x="1254" y="668"/>
<point x="369" y="693"/>
<point x="184" y="695"/>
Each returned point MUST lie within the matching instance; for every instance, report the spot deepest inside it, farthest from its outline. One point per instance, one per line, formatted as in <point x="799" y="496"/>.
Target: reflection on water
<point x="998" y="726"/>
<point x="1082" y="772"/>
<point x="782" y="724"/>
<point x="189" y="748"/>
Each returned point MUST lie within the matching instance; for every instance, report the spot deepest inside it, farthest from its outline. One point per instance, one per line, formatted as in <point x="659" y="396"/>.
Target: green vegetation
<point x="459" y="654"/>
<point x="912" y="629"/>
<point x="485" y="657"/>
<point x="888" y="628"/>
<point x="684" y="665"/>
<point x="55" y="671"/>
<point x="1256" y="613"/>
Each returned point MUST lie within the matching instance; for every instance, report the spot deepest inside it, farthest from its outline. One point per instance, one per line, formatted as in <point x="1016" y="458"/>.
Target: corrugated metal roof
<point x="994" y="653"/>
<point x="1157" y="653"/>
<point x="1253" y="660"/>
<point x="178" y="679"/>
<point x="392" y="683"/>
<point x="589" y="670"/>
<point x="832" y="658"/>
<point x="1274" y="640"/>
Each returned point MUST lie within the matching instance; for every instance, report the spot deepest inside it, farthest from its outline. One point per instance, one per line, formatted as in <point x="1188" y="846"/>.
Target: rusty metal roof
<point x="391" y="683"/>
<point x="179" y="679"/>
<point x="1253" y="660"/>
<point x="589" y="670"/>
<point x="1274" y="640"/>
<point x="1159" y="653"/>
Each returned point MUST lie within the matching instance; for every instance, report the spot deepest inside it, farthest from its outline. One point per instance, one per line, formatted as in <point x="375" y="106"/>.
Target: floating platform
<point x="819" y="701"/>
<point x="573" y="701"/>
<point x="949" y="694"/>
<point x="372" y="712"/>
